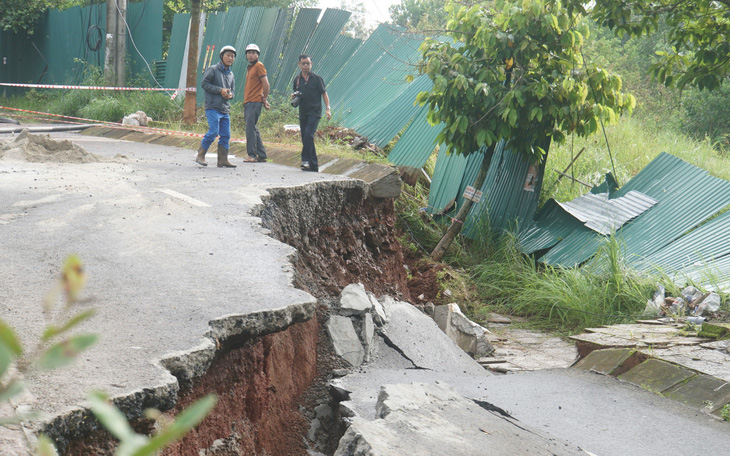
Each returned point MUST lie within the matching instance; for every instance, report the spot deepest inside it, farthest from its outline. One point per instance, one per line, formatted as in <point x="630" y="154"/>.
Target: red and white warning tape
<point x="56" y="86"/>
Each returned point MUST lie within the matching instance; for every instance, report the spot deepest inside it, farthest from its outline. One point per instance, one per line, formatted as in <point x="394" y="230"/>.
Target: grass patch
<point x="562" y="299"/>
<point x="633" y="144"/>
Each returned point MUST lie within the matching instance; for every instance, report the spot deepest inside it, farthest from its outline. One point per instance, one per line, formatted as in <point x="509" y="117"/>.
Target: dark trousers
<point x="308" y="126"/>
<point x="254" y="146"/>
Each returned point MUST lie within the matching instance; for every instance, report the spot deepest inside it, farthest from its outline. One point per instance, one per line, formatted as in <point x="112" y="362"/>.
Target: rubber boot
<point x="200" y="159"/>
<point x="223" y="158"/>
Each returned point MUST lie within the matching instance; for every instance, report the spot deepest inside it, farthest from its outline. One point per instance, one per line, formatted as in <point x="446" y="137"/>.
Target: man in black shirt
<point x="311" y="91"/>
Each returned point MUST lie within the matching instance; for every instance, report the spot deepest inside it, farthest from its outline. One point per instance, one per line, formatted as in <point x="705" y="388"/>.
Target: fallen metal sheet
<point x="684" y="204"/>
<point x="605" y="215"/>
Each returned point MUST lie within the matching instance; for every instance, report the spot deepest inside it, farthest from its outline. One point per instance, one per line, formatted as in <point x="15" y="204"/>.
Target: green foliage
<point x="56" y="346"/>
<point x="419" y="15"/>
<point x="725" y="412"/>
<point x="698" y="34"/>
<point x="516" y="75"/>
<point x="51" y="353"/>
<point x="19" y="15"/>
<point x="634" y="142"/>
<point x="106" y="108"/>
<point x="357" y="26"/>
<point x="133" y="444"/>
<point x="565" y="299"/>
<point x="707" y="114"/>
<point x="423" y="232"/>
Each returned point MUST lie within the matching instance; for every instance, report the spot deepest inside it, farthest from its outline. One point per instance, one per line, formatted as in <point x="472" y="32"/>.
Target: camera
<point x="297" y="97"/>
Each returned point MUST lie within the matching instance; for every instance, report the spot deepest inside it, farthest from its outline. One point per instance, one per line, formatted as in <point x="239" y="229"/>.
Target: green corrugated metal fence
<point x="67" y="42"/>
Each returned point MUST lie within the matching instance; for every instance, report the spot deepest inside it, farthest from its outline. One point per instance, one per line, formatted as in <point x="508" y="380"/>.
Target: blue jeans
<point x="308" y="127"/>
<point x="219" y="124"/>
<point x="254" y="146"/>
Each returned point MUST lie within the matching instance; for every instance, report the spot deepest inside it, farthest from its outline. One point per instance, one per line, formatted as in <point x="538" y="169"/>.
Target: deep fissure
<point x="272" y="385"/>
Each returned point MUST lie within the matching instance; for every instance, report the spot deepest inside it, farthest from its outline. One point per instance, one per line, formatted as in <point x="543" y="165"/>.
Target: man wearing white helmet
<point x="255" y="96"/>
<point x="219" y="85"/>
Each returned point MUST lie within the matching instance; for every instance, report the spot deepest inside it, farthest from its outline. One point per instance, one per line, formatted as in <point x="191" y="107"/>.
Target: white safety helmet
<point x="228" y="48"/>
<point x="253" y="47"/>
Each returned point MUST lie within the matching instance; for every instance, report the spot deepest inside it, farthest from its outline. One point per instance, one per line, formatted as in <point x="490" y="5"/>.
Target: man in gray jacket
<point x="219" y="84"/>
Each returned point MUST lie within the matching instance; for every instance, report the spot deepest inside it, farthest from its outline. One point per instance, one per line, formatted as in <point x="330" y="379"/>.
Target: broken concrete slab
<point x="367" y="334"/>
<point x="717" y="331"/>
<point x="344" y="339"/>
<point x="418" y="337"/>
<point x="385" y="181"/>
<point x="702" y="391"/>
<point x="433" y="419"/>
<point x="610" y="361"/>
<point x="525" y="349"/>
<point x="380" y="317"/>
<point x="354" y="300"/>
<point x="468" y="335"/>
<point x="656" y="375"/>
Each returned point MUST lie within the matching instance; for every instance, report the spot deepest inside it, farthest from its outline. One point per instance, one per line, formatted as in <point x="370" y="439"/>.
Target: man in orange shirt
<point x="255" y="96"/>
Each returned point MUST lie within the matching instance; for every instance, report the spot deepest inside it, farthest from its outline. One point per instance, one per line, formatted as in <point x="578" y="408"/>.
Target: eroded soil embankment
<point x="342" y="235"/>
<point x="266" y="385"/>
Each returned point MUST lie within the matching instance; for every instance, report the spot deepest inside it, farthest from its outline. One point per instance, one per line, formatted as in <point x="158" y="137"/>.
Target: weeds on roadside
<point x="562" y="299"/>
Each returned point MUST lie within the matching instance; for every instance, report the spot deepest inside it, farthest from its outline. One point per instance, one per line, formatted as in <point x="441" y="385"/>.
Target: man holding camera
<point x="255" y="95"/>
<point x="309" y="91"/>
<point x="219" y="85"/>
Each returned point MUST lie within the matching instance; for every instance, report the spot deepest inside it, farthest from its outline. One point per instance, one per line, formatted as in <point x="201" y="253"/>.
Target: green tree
<point x="21" y="15"/>
<point x="357" y="26"/>
<point x="419" y="14"/>
<point x="698" y="35"/>
<point x="515" y="74"/>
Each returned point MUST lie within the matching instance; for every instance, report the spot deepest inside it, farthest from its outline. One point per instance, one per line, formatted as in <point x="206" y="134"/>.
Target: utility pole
<point x="110" y="55"/>
<point x="121" y="64"/>
<point x="115" y="57"/>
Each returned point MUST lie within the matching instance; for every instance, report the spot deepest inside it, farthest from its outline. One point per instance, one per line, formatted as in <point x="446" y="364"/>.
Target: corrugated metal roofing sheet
<point x="394" y="116"/>
<point x="604" y="215"/>
<point x="336" y="56"/>
<point x="446" y="181"/>
<point x="176" y="51"/>
<point x="212" y="40"/>
<point x="709" y="275"/>
<point x="368" y="101"/>
<point x="687" y="196"/>
<point x="506" y="202"/>
<point x="709" y="242"/>
<point x="304" y="26"/>
<point x="326" y="33"/>
<point x="417" y="143"/>
<point x="551" y="225"/>
<point x="277" y="39"/>
<point x="361" y="63"/>
<point x="509" y="201"/>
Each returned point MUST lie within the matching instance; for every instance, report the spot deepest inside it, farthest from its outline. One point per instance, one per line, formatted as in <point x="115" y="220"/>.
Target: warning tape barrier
<point x="117" y="125"/>
<point x="56" y="86"/>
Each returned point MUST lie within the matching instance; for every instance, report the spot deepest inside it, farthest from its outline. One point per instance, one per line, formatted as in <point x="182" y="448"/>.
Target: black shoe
<point x="315" y="170"/>
<point x="304" y="165"/>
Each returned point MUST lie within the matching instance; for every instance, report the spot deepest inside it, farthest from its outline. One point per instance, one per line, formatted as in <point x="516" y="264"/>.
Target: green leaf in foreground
<point x="13" y="388"/>
<point x="184" y="422"/>
<point x="110" y="417"/>
<point x="64" y="352"/>
<point x="52" y="331"/>
<point x="44" y="447"/>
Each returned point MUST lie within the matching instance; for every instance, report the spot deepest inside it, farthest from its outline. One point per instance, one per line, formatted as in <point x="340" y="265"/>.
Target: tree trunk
<point x="192" y="72"/>
<point x="458" y="223"/>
